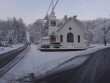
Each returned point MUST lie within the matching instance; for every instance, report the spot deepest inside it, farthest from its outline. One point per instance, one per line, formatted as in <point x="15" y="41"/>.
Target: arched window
<point x="70" y="37"/>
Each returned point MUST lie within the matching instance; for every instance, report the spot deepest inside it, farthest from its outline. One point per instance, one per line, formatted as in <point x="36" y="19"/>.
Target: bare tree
<point x="105" y="31"/>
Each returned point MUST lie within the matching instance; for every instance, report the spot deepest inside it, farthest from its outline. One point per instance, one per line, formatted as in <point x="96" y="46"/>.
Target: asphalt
<point x="10" y="59"/>
<point x="96" y="69"/>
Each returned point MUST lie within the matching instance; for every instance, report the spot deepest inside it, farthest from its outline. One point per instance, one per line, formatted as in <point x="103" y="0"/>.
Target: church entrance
<point x="52" y="39"/>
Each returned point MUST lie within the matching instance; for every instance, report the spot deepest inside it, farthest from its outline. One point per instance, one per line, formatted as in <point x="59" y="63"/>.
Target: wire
<point x="49" y="7"/>
<point x="55" y="5"/>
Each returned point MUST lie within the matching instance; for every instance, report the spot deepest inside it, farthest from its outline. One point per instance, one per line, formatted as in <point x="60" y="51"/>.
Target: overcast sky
<point x="30" y="10"/>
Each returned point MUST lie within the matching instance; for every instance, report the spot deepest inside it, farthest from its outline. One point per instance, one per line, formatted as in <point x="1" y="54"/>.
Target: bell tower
<point x="52" y="20"/>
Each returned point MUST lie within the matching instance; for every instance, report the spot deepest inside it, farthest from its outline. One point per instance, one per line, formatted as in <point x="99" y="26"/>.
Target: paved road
<point x="10" y="59"/>
<point x="96" y="69"/>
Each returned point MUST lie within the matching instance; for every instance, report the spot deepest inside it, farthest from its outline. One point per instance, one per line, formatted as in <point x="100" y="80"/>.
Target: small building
<point x="70" y="34"/>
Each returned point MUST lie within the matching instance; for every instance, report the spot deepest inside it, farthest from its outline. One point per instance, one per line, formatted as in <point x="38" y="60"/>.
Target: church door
<point x="52" y="39"/>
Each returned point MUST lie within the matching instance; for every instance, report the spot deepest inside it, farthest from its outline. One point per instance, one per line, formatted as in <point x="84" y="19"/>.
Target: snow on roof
<point x="71" y="18"/>
<point x="53" y="33"/>
<point x="45" y="38"/>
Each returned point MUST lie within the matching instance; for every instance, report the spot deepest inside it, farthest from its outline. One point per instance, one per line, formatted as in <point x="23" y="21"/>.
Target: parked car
<point x="56" y="45"/>
<point x="45" y="46"/>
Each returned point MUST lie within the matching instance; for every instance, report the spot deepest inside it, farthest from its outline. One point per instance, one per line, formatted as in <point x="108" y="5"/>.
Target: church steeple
<point x="51" y="18"/>
<point x="52" y="23"/>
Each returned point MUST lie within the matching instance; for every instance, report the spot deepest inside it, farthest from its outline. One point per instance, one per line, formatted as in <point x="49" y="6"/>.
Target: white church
<point x="70" y="34"/>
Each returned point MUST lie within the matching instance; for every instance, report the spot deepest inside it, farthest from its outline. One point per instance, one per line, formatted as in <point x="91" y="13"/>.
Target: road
<point x="96" y="69"/>
<point x="9" y="59"/>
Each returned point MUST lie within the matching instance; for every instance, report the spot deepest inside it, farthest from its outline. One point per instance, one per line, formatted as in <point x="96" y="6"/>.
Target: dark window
<point x="61" y="38"/>
<point x="78" y="38"/>
<point x="70" y="28"/>
<point x="53" y="23"/>
<point x="70" y="37"/>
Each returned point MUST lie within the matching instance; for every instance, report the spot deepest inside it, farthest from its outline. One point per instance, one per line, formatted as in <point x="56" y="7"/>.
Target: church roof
<point x="45" y="38"/>
<point x="53" y="33"/>
<point x="71" y="18"/>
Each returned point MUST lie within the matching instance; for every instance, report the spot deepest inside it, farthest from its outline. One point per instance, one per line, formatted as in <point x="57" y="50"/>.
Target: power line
<point x="49" y="6"/>
<point x="55" y="5"/>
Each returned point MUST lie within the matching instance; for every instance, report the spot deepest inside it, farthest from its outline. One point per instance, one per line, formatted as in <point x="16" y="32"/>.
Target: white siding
<point x="76" y="30"/>
<point x="52" y="29"/>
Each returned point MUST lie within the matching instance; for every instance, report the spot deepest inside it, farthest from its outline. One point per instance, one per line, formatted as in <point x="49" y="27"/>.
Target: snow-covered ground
<point x="39" y="63"/>
<point x="7" y="49"/>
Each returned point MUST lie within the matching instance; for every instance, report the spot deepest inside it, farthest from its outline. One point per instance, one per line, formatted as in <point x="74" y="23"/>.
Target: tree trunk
<point x="105" y="42"/>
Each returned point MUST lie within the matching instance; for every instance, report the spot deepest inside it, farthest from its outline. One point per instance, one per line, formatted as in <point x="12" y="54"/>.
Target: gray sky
<point x="30" y="10"/>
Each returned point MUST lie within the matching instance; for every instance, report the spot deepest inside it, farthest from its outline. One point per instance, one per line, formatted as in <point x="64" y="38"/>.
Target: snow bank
<point x="7" y="49"/>
<point x="39" y="63"/>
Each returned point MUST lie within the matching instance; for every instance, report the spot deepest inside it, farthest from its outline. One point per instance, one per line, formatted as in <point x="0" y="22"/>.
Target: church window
<point x="53" y="23"/>
<point x="61" y="38"/>
<point x="70" y="28"/>
<point x="78" y="38"/>
<point x="70" y="37"/>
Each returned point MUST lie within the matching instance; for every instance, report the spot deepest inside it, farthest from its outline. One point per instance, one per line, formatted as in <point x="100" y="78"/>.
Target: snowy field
<point x="7" y="49"/>
<point x="39" y="63"/>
